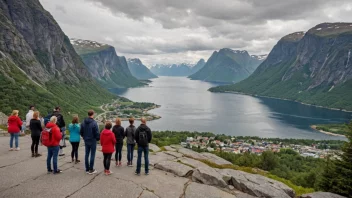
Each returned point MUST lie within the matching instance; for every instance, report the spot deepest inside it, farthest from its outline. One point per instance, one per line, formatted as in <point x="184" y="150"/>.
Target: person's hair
<point x="30" y="107"/>
<point x="131" y="120"/>
<point x="53" y="119"/>
<point x="90" y="113"/>
<point x="14" y="113"/>
<point x="75" y="120"/>
<point x="57" y="108"/>
<point x="108" y="125"/>
<point x="36" y="115"/>
<point x="143" y="120"/>
<point x="118" y="121"/>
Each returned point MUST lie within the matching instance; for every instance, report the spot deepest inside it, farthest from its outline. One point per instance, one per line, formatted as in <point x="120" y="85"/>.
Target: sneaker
<point x="91" y="172"/>
<point x="120" y="164"/>
<point x="63" y="154"/>
<point x="50" y="171"/>
<point x="117" y="163"/>
<point x="38" y="155"/>
<point x="87" y="172"/>
<point x="138" y="174"/>
<point x="108" y="172"/>
<point x="78" y="161"/>
<point x="58" y="171"/>
<point x="18" y="148"/>
<point x="128" y="163"/>
<point x="146" y="173"/>
<point x="33" y="155"/>
<point x="11" y="149"/>
<point x="131" y="165"/>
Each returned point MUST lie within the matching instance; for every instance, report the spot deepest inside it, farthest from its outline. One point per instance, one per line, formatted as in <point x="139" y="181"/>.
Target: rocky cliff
<point x="110" y="70"/>
<point x="313" y="67"/>
<point x="139" y="70"/>
<point x="228" y="66"/>
<point x="183" y="69"/>
<point x="38" y="65"/>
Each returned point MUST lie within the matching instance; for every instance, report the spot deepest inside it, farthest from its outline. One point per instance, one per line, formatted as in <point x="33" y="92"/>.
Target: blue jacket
<point x="90" y="131"/>
<point x="74" y="132"/>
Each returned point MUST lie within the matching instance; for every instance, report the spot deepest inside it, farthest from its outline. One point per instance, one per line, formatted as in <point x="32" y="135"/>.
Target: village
<point x="253" y="146"/>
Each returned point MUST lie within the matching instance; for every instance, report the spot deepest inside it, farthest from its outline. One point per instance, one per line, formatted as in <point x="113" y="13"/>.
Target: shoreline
<point x="307" y="104"/>
<point x="314" y="127"/>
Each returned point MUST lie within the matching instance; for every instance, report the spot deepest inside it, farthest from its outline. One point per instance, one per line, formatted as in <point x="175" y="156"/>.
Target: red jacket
<point x="107" y="141"/>
<point x="15" y="124"/>
<point x="56" y="134"/>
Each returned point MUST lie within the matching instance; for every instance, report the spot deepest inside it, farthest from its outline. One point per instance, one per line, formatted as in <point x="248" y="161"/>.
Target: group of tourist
<point x="111" y="139"/>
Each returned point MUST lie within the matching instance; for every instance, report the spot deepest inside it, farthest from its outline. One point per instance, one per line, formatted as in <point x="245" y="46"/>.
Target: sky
<point x="177" y="31"/>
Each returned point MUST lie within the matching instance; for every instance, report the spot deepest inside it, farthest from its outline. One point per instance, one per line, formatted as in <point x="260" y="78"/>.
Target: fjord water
<point x="186" y="105"/>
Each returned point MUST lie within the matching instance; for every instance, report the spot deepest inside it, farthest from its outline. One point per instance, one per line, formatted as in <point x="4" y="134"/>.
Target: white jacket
<point x="29" y="116"/>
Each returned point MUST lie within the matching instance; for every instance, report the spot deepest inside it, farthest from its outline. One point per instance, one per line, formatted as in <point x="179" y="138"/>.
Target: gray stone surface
<point x="175" y="154"/>
<point x="168" y="148"/>
<point x="321" y="195"/>
<point x="208" y="176"/>
<point x="195" y="190"/>
<point x="154" y="147"/>
<point x="176" y="146"/>
<point x="194" y="163"/>
<point x="215" y="159"/>
<point x="159" y="157"/>
<point x="148" y="194"/>
<point x="175" y="168"/>
<point x="191" y="154"/>
<point x="256" y="185"/>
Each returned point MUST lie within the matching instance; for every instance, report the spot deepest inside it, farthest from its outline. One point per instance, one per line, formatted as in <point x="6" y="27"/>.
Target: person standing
<point x="74" y="129"/>
<point x="90" y="133"/>
<point x="107" y="141"/>
<point x="14" y="128"/>
<point x="119" y="132"/>
<point x="62" y="126"/>
<point x="53" y="145"/>
<point x="129" y="134"/>
<point x="29" y="116"/>
<point x="143" y="137"/>
<point x="36" y="128"/>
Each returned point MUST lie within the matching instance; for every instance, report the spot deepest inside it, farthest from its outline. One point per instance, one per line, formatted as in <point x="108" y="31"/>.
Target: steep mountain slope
<point x="314" y="68"/>
<point x="39" y="66"/>
<point x="228" y="66"/>
<point x="183" y="69"/>
<point x="139" y="70"/>
<point x="110" y="70"/>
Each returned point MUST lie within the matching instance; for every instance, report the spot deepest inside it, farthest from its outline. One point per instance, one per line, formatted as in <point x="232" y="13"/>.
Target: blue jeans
<point x="90" y="149"/>
<point x="118" y="153"/>
<point x="14" y="135"/>
<point x="145" y="150"/>
<point x="130" y="149"/>
<point x="53" y="152"/>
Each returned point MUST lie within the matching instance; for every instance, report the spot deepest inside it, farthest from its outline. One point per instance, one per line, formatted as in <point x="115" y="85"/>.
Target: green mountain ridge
<point x="138" y="70"/>
<point x="313" y="68"/>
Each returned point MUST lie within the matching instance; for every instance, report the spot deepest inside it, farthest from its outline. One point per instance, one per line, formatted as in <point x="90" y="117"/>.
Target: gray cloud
<point x="168" y="31"/>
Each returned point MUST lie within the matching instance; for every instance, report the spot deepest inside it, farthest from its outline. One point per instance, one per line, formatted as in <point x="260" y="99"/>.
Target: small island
<point x="332" y="129"/>
<point x="124" y="109"/>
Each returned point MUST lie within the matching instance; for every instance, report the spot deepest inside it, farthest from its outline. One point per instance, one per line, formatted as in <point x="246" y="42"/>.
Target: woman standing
<point x="53" y="145"/>
<point x="36" y="128"/>
<point x="14" y="129"/>
<point x="107" y="141"/>
<point x="119" y="132"/>
<point x="74" y="129"/>
<point x="129" y="134"/>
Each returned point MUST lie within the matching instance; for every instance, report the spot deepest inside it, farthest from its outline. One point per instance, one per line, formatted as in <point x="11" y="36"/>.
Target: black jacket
<point x="36" y="127"/>
<point x="129" y="134"/>
<point x="60" y="119"/>
<point x="119" y="132"/>
<point x="145" y="128"/>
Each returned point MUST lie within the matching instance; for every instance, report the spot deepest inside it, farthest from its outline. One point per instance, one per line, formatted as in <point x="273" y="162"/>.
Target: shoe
<point x="18" y="148"/>
<point x="63" y="154"/>
<point x="120" y="164"/>
<point x="38" y="155"/>
<point x="50" y="171"/>
<point x="128" y="163"/>
<point x="58" y="171"/>
<point x="33" y="155"/>
<point x="72" y="160"/>
<point x="138" y="174"/>
<point x="131" y="165"/>
<point x="78" y="161"/>
<point x="108" y="172"/>
<point x="11" y="149"/>
<point x="146" y="173"/>
<point x="117" y="163"/>
<point x="91" y="172"/>
<point x="87" y="172"/>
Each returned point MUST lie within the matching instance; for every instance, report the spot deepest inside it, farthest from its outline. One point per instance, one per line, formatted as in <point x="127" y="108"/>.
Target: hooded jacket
<point x="60" y="119"/>
<point x="15" y="124"/>
<point x="130" y="133"/>
<point x="107" y="141"/>
<point x="145" y="128"/>
<point x="90" y="131"/>
<point x="119" y="133"/>
<point x="29" y="117"/>
<point x="56" y="134"/>
<point x="74" y="132"/>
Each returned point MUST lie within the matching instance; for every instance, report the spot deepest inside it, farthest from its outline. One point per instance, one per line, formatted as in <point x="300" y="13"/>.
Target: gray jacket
<point x="129" y="133"/>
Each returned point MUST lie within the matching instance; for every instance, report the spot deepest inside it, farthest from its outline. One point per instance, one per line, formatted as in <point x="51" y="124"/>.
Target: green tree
<point x="269" y="160"/>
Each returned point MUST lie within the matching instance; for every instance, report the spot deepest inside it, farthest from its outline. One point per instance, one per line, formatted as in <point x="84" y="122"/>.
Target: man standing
<point x="90" y="133"/>
<point x="61" y="124"/>
<point x="29" y="116"/>
<point x="143" y="137"/>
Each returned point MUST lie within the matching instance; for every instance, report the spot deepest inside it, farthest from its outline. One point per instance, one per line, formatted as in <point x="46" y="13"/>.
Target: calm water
<point x="186" y="105"/>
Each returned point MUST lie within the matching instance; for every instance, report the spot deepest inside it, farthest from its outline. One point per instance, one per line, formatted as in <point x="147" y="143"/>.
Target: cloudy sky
<point x="175" y="31"/>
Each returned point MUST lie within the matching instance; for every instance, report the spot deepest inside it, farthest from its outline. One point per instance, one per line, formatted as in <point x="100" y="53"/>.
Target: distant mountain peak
<point x="87" y="46"/>
<point x="296" y="36"/>
<point x="234" y="51"/>
<point x="326" y="29"/>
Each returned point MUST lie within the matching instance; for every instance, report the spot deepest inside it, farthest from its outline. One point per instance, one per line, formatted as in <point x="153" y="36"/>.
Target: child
<point x="107" y="141"/>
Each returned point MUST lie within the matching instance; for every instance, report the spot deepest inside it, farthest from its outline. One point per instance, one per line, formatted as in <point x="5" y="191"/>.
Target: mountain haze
<point x="183" y="69"/>
<point x="313" y="67"/>
<point x="229" y="66"/>
<point x="138" y="70"/>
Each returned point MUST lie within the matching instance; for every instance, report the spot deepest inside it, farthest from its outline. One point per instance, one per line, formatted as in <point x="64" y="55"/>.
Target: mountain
<point x="229" y="66"/>
<point x="110" y="70"/>
<point x="38" y="64"/>
<point x="313" y="67"/>
<point x="138" y="70"/>
<point x="183" y="69"/>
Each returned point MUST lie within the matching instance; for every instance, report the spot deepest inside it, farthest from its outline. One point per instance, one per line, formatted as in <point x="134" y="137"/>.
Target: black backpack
<point x="143" y="138"/>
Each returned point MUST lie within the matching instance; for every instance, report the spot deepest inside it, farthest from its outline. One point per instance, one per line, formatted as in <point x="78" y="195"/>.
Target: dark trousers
<point x="118" y="153"/>
<point x="74" y="152"/>
<point x="130" y="149"/>
<point x="107" y="159"/>
<point x="145" y="150"/>
<point x="53" y="152"/>
<point x="35" y="144"/>
<point x="90" y="149"/>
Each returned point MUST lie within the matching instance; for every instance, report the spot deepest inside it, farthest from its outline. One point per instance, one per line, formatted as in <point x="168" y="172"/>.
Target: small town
<point x="253" y="146"/>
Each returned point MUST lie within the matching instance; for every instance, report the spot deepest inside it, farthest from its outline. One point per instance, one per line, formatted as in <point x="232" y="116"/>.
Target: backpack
<point x="59" y="121"/>
<point x="45" y="137"/>
<point x="143" y="138"/>
<point x="47" y="119"/>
